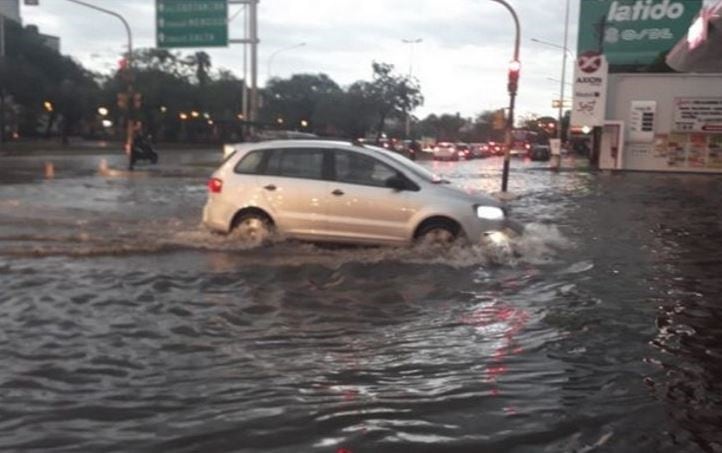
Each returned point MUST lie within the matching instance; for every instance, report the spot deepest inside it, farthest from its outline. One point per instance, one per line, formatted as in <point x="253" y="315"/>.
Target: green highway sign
<point x="634" y="32"/>
<point x="191" y="23"/>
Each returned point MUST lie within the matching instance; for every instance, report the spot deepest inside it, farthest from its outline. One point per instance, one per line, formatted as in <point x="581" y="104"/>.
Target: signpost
<point x="590" y="90"/>
<point x="634" y="32"/>
<point x="191" y="23"/>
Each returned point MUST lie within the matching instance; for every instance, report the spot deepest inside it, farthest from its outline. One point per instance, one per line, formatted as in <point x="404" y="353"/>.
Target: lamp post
<point x="566" y="52"/>
<point x="284" y="49"/>
<point x="513" y="85"/>
<point x="411" y="43"/>
<point x="129" y="131"/>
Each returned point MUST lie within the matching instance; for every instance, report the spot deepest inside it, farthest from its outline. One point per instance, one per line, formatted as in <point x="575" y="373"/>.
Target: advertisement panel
<point x="634" y="32"/>
<point x="590" y="90"/>
<point x="702" y="114"/>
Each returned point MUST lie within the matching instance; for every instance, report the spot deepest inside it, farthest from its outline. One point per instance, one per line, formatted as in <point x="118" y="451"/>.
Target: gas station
<point x="647" y="84"/>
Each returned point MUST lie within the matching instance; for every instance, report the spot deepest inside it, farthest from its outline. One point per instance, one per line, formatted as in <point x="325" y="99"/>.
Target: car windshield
<point x="414" y="168"/>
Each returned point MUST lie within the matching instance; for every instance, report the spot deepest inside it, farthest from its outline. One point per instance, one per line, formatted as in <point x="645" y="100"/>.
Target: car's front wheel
<point x="437" y="233"/>
<point x="252" y="229"/>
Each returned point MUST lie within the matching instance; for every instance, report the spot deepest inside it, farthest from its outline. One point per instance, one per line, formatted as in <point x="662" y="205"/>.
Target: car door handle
<point x="270" y="187"/>
<point x="337" y="192"/>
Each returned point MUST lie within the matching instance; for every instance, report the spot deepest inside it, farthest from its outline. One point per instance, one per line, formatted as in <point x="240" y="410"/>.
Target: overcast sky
<point x="461" y="63"/>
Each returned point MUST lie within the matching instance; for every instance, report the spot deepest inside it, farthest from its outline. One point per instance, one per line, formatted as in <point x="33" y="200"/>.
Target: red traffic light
<point x="514" y="69"/>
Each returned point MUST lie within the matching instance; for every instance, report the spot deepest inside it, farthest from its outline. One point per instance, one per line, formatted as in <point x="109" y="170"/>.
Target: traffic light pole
<point x="129" y="128"/>
<point x="513" y="86"/>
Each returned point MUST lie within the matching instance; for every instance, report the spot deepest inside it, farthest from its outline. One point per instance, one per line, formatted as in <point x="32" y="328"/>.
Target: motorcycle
<point x="142" y="149"/>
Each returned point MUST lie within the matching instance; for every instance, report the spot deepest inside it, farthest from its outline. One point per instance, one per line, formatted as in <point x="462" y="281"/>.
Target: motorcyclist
<point x="141" y="148"/>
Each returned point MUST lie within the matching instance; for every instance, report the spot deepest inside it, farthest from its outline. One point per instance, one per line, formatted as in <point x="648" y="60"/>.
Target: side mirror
<point x="396" y="182"/>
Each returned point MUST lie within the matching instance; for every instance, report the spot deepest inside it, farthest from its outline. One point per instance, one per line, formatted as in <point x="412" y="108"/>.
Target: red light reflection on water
<point x="499" y="324"/>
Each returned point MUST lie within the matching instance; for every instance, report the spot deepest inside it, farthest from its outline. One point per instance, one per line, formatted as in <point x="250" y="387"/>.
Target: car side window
<point x="355" y="168"/>
<point x="249" y="164"/>
<point x="296" y="163"/>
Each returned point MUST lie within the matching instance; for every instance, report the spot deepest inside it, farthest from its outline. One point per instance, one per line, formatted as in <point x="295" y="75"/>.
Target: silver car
<point x="341" y="192"/>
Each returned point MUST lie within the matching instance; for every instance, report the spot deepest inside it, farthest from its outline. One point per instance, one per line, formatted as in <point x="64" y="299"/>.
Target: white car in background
<point x="445" y="151"/>
<point x="344" y="193"/>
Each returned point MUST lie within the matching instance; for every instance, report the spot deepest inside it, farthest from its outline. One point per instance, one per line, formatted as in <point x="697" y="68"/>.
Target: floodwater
<point x="125" y="326"/>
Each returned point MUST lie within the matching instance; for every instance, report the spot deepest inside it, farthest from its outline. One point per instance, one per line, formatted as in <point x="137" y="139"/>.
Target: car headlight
<point x="489" y="213"/>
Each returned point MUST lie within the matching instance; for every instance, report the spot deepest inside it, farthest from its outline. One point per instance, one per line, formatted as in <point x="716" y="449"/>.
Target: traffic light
<point x="123" y="101"/>
<point x="514" y="69"/>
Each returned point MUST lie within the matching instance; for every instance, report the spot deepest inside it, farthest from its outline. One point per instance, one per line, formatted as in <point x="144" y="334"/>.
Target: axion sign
<point x="590" y="90"/>
<point x="590" y="62"/>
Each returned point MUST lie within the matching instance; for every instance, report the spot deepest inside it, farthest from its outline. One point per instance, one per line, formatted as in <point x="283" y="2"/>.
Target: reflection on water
<point x="127" y="327"/>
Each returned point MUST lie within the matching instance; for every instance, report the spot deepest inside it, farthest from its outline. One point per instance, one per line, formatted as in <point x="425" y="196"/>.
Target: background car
<point x="496" y="148"/>
<point x="540" y="153"/>
<point x="445" y="151"/>
<point x="464" y="150"/>
<point x="479" y="150"/>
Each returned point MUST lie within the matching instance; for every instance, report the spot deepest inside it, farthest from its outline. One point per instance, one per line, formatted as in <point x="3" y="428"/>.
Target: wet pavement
<point x="125" y="326"/>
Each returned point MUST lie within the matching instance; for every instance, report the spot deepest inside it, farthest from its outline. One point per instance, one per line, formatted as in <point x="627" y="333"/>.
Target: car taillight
<point x="215" y="185"/>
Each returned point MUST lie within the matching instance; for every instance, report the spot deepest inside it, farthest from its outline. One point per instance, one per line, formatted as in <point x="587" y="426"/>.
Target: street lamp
<point x="566" y="53"/>
<point x="270" y="59"/>
<point x="129" y="132"/>
<point x="513" y="77"/>
<point x="411" y="43"/>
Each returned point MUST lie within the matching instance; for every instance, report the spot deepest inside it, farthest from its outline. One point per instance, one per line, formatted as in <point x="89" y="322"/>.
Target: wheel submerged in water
<point x="437" y="234"/>
<point x="253" y="230"/>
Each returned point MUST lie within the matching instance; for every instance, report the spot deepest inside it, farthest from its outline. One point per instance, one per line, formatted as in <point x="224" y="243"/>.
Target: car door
<point x="294" y="189"/>
<point x="361" y="207"/>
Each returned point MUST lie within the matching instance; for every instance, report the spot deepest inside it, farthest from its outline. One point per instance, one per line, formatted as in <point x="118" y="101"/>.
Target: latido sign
<point x="590" y="90"/>
<point x="634" y="32"/>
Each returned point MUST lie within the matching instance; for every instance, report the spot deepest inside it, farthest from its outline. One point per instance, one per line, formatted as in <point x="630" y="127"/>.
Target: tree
<point x="391" y="94"/>
<point x="33" y="75"/>
<point x="201" y="61"/>
<point x="299" y="99"/>
<point x="444" y="128"/>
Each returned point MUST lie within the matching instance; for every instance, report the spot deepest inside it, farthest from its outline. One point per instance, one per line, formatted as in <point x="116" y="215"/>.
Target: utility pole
<point x="565" y="51"/>
<point x="2" y="84"/>
<point x="250" y="36"/>
<point x="253" y="29"/>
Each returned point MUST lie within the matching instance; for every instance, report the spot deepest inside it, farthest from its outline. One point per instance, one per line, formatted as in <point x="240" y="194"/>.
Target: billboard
<point x="634" y="32"/>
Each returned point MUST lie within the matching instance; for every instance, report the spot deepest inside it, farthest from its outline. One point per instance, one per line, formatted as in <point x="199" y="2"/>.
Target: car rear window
<point x="250" y="163"/>
<point x="296" y="163"/>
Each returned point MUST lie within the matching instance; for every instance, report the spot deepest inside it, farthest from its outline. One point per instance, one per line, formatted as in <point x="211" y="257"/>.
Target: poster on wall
<point x="697" y="151"/>
<point x="714" y="158"/>
<point x="676" y="150"/>
<point x="661" y="144"/>
<point x="698" y="114"/>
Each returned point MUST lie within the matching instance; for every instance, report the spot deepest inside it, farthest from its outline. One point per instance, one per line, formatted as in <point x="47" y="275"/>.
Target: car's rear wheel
<point x="252" y="229"/>
<point x="437" y="233"/>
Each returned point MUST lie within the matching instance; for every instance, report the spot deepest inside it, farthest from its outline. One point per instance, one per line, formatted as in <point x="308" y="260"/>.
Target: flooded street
<point x="126" y="326"/>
